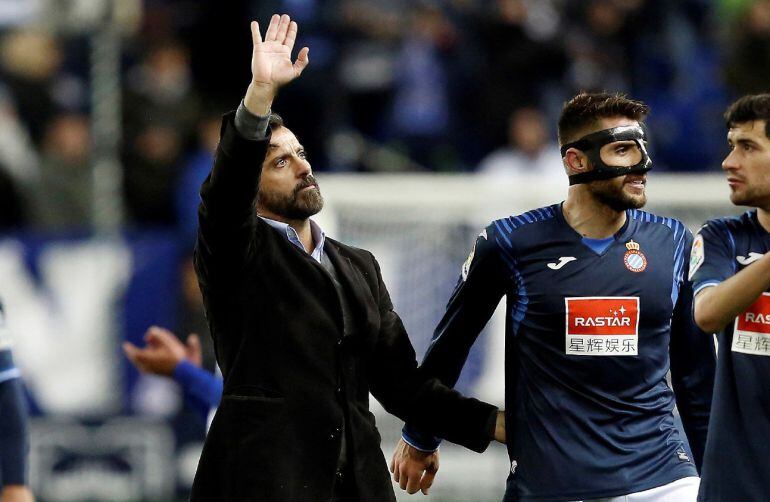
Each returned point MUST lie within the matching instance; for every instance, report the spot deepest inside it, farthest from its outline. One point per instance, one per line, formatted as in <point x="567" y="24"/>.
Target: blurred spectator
<point x="160" y="88"/>
<point x="11" y="204"/>
<point x="599" y="45"/>
<point x="17" y="153"/>
<point x="30" y="64"/>
<point x="529" y="150"/>
<point x="192" y="318"/>
<point x="18" y="167"/>
<point x="520" y="61"/>
<point x="420" y="109"/>
<point x="747" y="68"/>
<point x="160" y="112"/>
<point x="151" y="165"/>
<point x="409" y="85"/>
<point x="193" y="173"/>
<point x="62" y="197"/>
<point x="370" y="33"/>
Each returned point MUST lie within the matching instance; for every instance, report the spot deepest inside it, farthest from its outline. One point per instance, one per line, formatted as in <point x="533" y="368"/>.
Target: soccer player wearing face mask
<point x="598" y="310"/>
<point x="730" y="271"/>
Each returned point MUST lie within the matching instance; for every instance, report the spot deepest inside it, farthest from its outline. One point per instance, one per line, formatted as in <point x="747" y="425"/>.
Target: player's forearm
<point x="259" y="98"/>
<point x="717" y="306"/>
<point x="447" y="414"/>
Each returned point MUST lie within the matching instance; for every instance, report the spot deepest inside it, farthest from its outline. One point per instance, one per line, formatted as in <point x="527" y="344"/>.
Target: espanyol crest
<point x="634" y="259"/>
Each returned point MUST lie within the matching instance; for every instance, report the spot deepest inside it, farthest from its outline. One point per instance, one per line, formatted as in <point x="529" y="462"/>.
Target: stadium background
<point x="424" y="120"/>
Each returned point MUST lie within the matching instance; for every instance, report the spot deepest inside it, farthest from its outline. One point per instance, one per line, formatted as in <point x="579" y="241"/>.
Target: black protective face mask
<point x="595" y="146"/>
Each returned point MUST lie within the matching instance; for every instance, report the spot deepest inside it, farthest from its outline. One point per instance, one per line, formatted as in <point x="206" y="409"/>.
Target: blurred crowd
<point x="402" y="85"/>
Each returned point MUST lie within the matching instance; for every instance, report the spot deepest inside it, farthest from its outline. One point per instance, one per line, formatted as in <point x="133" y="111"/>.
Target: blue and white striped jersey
<point x="592" y="328"/>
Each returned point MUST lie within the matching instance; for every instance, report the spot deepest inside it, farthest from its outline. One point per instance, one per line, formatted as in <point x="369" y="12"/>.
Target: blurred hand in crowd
<point x="16" y="493"/>
<point x="163" y="352"/>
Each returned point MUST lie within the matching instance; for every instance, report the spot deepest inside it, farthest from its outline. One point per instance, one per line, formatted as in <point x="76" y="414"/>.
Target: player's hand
<point x="500" y="427"/>
<point x="271" y="65"/>
<point x="413" y="469"/>
<point x="163" y="352"/>
<point x="16" y="493"/>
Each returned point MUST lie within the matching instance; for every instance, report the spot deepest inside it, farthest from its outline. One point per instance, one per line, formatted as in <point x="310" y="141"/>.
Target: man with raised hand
<point x="303" y="326"/>
<point x="730" y="271"/>
<point x="598" y="308"/>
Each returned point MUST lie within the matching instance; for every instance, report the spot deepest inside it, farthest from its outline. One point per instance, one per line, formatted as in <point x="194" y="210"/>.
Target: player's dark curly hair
<point x="585" y="110"/>
<point x="748" y="109"/>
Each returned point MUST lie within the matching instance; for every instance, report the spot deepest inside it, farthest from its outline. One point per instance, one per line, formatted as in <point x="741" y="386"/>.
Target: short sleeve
<point x="712" y="259"/>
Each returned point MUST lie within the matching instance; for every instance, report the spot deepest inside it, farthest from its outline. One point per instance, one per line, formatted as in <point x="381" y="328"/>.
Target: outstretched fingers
<point x="291" y="36"/>
<point x="157" y="335"/>
<point x="130" y="350"/>
<point x="302" y="61"/>
<point x="135" y="355"/>
<point x="283" y="29"/>
<point x="256" y="38"/>
<point x="272" y="30"/>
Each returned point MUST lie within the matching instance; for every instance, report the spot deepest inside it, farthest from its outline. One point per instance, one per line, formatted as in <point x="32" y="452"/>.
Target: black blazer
<point x="290" y="377"/>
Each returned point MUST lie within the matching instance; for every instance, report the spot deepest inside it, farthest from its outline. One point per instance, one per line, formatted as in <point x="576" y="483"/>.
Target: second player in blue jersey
<point x="730" y="272"/>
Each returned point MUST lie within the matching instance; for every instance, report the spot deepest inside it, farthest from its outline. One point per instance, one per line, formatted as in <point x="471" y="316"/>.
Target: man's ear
<point x="576" y="161"/>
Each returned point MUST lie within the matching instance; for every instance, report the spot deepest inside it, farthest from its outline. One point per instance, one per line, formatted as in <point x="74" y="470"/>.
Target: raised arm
<point x="721" y="293"/>
<point x="719" y="305"/>
<point x="226" y="214"/>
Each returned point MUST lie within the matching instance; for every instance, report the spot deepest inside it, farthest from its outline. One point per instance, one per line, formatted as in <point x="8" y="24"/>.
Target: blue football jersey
<point x="591" y="330"/>
<point x="735" y="467"/>
<point x="7" y="369"/>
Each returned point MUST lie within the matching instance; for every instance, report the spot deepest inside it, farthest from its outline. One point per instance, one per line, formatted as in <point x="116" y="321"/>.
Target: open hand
<point x="271" y="65"/>
<point x="163" y="352"/>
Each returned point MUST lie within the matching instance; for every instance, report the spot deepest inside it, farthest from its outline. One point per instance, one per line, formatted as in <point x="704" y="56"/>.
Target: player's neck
<point x="763" y="216"/>
<point x="591" y="218"/>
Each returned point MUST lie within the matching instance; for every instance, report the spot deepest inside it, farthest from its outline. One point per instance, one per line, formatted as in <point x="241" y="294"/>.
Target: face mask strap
<point x="607" y="173"/>
<point x="592" y="144"/>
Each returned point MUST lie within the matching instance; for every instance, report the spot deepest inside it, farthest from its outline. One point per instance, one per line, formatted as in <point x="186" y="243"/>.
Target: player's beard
<point x="298" y="205"/>
<point x="750" y="196"/>
<point x="612" y="195"/>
